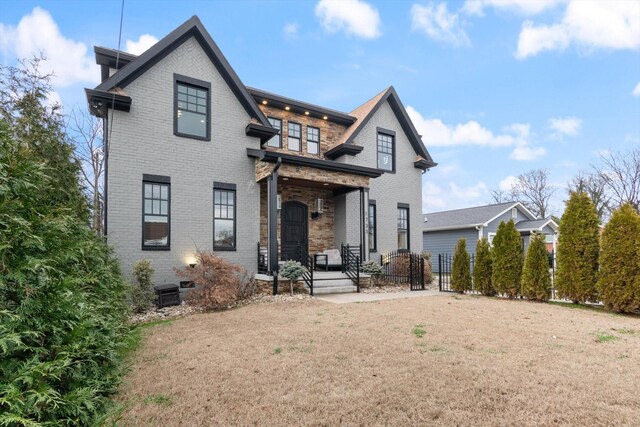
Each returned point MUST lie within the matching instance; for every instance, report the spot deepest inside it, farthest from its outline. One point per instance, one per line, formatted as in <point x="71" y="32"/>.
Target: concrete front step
<point x="332" y="289"/>
<point x="331" y="283"/>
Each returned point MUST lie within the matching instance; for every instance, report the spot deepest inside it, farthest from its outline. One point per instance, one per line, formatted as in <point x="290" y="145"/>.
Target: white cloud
<point x="354" y="17"/>
<point x="290" y="30"/>
<point x="66" y="58"/>
<point x="525" y="7"/>
<point x="588" y="24"/>
<point x="451" y="195"/>
<point x="636" y="90"/>
<point x="507" y="183"/>
<point x="437" y="23"/>
<point x="145" y="41"/>
<point x="526" y="153"/>
<point x="565" y="126"/>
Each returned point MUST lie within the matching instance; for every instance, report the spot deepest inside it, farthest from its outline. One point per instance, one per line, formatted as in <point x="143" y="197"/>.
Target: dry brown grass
<point x="480" y="361"/>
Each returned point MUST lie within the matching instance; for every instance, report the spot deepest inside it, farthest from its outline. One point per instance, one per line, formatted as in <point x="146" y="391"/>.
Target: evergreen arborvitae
<point x="507" y="259"/>
<point x="482" y="268"/>
<point x="461" y="272"/>
<point x="536" y="280"/>
<point x="578" y="247"/>
<point x="619" y="279"/>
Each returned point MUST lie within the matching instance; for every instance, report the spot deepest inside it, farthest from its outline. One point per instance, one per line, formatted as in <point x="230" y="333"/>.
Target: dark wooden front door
<point x="293" y="230"/>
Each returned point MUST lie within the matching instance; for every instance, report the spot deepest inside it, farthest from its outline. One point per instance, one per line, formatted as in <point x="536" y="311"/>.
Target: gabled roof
<point x="537" y="224"/>
<point x="191" y="28"/>
<point x="470" y="217"/>
<point x="366" y="111"/>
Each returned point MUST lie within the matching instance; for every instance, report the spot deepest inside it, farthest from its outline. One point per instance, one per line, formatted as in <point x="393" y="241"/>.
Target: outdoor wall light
<point x="287" y="108"/>
<point x="191" y="261"/>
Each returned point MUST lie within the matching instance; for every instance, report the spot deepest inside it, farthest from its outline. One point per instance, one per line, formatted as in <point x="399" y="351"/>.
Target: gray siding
<point x="142" y="141"/>
<point x="444" y="242"/>
<point x="403" y="186"/>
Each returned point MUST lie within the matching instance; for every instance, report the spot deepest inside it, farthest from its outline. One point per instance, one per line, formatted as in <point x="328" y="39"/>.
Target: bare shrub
<point x="218" y="282"/>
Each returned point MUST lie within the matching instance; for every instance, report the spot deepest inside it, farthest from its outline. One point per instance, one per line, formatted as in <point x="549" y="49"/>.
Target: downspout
<point x="105" y="186"/>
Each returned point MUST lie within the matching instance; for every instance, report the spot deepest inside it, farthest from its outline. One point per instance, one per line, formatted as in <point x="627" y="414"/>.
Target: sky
<point x="495" y="87"/>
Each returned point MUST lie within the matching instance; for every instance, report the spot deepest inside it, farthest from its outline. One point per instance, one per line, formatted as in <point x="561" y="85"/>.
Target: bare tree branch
<point x="533" y="190"/>
<point x="595" y="187"/>
<point x="620" y="173"/>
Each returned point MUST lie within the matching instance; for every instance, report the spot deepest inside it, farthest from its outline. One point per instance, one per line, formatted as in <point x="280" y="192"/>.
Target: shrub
<point x="291" y="270"/>
<point x="373" y="269"/>
<point x="142" y="293"/>
<point x="536" y="281"/>
<point x="578" y="247"/>
<point x="619" y="280"/>
<point x="507" y="259"/>
<point x="428" y="267"/>
<point x="461" y="271"/>
<point x="482" y="268"/>
<point x="218" y="282"/>
<point x="63" y="311"/>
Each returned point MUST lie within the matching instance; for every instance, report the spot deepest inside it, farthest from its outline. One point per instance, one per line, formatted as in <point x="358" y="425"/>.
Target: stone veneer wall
<point x="263" y="170"/>
<point x="320" y="229"/>
<point x="329" y="132"/>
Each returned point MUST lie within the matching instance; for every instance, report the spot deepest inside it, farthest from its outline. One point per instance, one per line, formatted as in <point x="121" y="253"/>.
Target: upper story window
<point x="275" y="142"/>
<point x="514" y="213"/>
<point x="192" y="108"/>
<point x="403" y="226"/>
<point x="156" y="194"/>
<point x="313" y="140"/>
<point x="386" y="155"/>
<point x="293" y="137"/>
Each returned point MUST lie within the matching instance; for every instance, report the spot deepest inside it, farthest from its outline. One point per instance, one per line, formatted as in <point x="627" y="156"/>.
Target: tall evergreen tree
<point x="619" y="278"/>
<point x="461" y="271"/>
<point x="578" y="248"/>
<point x="507" y="259"/>
<point x="536" y="280"/>
<point x="482" y="268"/>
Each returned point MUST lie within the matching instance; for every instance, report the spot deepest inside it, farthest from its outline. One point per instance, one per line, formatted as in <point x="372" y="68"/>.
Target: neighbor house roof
<point x="469" y="217"/>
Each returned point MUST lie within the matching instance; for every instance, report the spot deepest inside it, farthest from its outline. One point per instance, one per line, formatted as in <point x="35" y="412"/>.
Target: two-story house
<point x="197" y="160"/>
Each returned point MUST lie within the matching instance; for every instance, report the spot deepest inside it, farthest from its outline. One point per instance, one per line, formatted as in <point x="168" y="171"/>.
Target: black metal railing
<point x="351" y="263"/>
<point x="263" y="259"/>
<point x="307" y="262"/>
<point x="404" y="267"/>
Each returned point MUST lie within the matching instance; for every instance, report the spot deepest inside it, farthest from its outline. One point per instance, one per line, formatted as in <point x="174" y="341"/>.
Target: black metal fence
<point x="404" y="267"/>
<point x="445" y="264"/>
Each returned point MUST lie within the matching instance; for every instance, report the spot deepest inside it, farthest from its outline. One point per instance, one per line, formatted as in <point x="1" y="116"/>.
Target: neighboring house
<point x="442" y="230"/>
<point x="197" y="160"/>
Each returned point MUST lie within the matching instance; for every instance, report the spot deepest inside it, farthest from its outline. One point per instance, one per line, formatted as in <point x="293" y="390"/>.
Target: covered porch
<point x="308" y="206"/>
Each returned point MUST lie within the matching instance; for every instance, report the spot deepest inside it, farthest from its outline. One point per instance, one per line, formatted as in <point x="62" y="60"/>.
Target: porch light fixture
<point x="191" y="261"/>
<point x="325" y="117"/>
<point x="264" y="102"/>
<point x="325" y="184"/>
<point x="285" y="179"/>
<point x="287" y="108"/>
<point x="306" y="113"/>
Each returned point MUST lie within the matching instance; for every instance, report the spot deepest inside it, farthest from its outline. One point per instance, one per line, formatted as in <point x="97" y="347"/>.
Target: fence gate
<point x="445" y="264"/>
<point x="404" y="267"/>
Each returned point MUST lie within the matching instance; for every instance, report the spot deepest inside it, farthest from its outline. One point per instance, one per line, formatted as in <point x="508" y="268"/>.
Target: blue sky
<point x="496" y="87"/>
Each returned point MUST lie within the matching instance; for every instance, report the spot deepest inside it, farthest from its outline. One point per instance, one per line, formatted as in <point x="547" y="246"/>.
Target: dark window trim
<point x="316" y="142"/>
<point x="280" y="135"/>
<point x="222" y="186"/>
<point x="392" y="134"/>
<point x="299" y="139"/>
<point x="375" y="228"/>
<point x="406" y="206"/>
<point x="178" y="78"/>
<point x="164" y="180"/>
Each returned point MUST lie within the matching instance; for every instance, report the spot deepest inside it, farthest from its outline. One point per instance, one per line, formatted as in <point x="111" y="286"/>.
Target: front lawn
<point x="445" y="359"/>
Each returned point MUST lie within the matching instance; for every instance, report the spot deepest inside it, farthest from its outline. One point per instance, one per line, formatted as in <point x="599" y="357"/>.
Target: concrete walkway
<point x="362" y="297"/>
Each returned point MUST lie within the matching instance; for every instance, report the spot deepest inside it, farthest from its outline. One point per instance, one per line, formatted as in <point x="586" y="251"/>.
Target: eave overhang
<point x="100" y="101"/>
<point x="342" y="149"/>
<point x="265" y="133"/>
<point x="329" y="165"/>
<point x="423" y="164"/>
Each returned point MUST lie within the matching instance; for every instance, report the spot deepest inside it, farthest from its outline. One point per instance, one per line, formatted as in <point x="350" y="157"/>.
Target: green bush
<point x="461" y="271"/>
<point x="142" y="293"/>
<point x="536" y="280"/>
<point x="63" y="311"/>
<point x="482" y="268"/>
<point x="373" y="269"/>
<point x="292" y="271"/>
<point x="507" y="259"/>
<point x="578" y="250"/>
<point x="619" y="280"/>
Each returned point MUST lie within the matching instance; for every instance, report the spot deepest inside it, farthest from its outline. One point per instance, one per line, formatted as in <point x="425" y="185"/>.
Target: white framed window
<point x="514" y="213"/>
<point x="490" y="237"/>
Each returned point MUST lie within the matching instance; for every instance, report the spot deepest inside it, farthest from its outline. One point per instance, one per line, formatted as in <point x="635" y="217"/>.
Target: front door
<point x="293" y="230"/>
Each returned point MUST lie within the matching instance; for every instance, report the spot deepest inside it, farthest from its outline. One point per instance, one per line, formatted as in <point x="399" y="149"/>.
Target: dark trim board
<point x="342" y="149"/>
<point x="273" y="156"/>
<point x="100" y="101"/>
